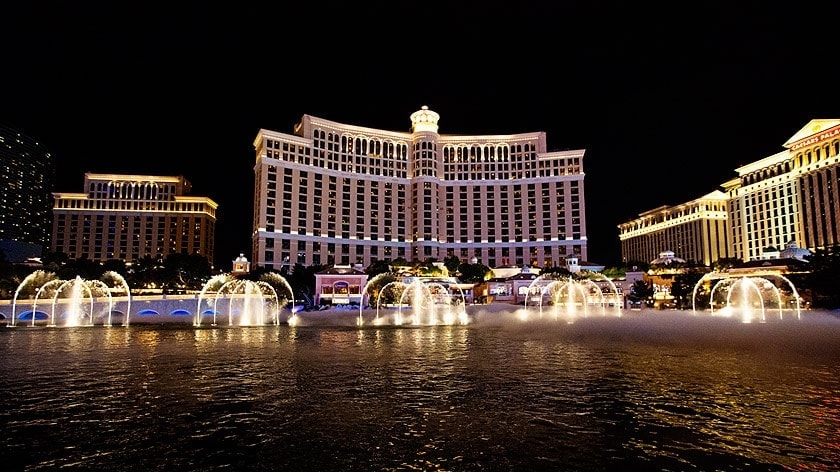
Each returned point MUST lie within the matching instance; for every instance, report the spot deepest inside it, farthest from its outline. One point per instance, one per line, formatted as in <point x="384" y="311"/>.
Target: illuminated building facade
<point x="130" y="217"/>
<point x="27" y="177"/>
<point x="764" y="206"/>
<point x="790" y="197"/>
<point x="816" y="163"/>
<point x="696" y="230"/>
<point x="342" y="194"/>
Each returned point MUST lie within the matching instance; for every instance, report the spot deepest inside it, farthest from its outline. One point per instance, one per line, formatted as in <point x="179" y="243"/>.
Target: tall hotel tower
<point x="26" y="185"/>
<point x="342" y="194"/>
<point x="791" y="196"/>
<point x="130" y="217"/>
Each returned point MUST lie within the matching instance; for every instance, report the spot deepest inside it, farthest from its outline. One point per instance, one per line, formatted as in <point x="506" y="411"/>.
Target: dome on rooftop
<point x="665" y="258"/>
<point x="792" y="251"/>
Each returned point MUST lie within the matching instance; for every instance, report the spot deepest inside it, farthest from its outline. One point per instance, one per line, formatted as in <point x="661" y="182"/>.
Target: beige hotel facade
<point x="130" y="217"/>
<point x="694" y="231"/>
<point x="333" y="193"/>
<point x="789" y="197"/>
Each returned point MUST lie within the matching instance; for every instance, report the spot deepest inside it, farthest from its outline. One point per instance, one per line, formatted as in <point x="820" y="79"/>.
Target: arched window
<point x="341" y="288"/>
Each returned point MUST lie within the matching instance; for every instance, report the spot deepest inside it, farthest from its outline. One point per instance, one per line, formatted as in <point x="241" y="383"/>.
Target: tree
<point x="37" y="281"/>
<point x="378" y="267"/>
<point x="682" y="287"/>
<point x="401" y="262"/>
<point x="54" y="260"/>
<point x="451" y="262"/>
<point x="302" y="280"/>
<point x="143" y="273"/>
<point x="726" y="263"/>
<point x="474" y="273"/>
<point x="185" y="271"/>
<point x="82" y="267"/>
<point x="428" y="269"/>
<point x="378" y="294"/>
<point x="824" y="279"/>
<point x="641" y="290"/>
<point x="613" y="273"/>
<point x="5" y="265"/>
<point x="557" y="271"/>
<point x="114" y="265"/>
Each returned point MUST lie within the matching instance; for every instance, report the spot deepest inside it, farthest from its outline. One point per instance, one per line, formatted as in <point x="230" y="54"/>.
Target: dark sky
<point x="666" y="101"/>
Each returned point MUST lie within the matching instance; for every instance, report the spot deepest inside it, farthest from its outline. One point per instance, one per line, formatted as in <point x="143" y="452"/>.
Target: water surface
<point x="666" y="393"/>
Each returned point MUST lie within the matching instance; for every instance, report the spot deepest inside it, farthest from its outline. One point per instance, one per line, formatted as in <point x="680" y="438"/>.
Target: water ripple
<point x="443" y="398"/>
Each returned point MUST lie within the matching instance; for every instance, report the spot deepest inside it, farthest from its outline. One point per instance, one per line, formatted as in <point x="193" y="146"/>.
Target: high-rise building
<point x="787" y="199"/>
<point x="130" y="217"/>
<point x="27" y="177"/>
<point x="335" y="193"/>
<point x="764" y="205"/>
<point x="816" y="163"/>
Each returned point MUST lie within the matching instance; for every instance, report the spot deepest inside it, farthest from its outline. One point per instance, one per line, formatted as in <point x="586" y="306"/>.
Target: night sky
<point x="666" y="102"/>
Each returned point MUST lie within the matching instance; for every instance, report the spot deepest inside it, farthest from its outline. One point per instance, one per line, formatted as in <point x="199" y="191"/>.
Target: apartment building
<point x="334" y="193"/>
<point x="130" y="217"/>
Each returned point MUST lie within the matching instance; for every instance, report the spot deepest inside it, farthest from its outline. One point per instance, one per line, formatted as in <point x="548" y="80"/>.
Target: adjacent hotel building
<point x="27" y="178"/>
<point x="334" y="193"/>
<point x="129" y="217"/>
<point x="788" y="197"/>
<point x="695" y="230"/>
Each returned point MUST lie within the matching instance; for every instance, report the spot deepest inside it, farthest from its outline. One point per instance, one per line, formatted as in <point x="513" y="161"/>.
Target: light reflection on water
<point x="594" y="395"/>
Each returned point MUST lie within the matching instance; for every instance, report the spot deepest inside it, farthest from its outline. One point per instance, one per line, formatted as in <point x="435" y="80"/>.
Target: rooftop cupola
<point x="424" y="120"/>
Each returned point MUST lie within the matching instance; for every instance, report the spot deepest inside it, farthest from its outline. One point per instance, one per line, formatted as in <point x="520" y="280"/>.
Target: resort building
<point x="130" y="217"/>
<point x="697" y="230"/>
<point x="787" y="198"/>
<point x="791" y="196"/>
<point x="816" y="159"/>
<point x="335" y="193"/>
<point x="764" y="206"/>
<point x="27" y="177"/>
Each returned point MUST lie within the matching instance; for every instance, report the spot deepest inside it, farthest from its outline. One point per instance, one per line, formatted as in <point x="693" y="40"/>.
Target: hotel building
<point x="696" y="230"/>
<point x="27" y="178"/>
<point x="764" y="206"/>
<point x="130" y="217"/>
<point x="790" y="197"/>
<point x="334" y="193"/>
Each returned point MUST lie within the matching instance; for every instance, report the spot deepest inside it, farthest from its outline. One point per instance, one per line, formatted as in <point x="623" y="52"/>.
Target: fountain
<point x="572" y="298"/>
<point x="246" y="303"/>
<point x="392" y="290"/>
<point x="227" y="301"/>
<point x="748" y="297"/>
<point x="78" y="302"/>
<point x="73" y="302"/>
<point x="428" y="303"/>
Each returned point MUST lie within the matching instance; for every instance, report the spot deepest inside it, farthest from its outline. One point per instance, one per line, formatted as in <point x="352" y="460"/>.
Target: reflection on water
<point x="588" y="396"/>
